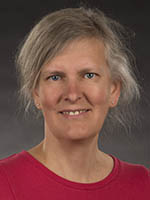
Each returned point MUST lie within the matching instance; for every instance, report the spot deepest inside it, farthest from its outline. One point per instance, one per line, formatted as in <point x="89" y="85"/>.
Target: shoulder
<point x="13" y="164"/>
<point x="135" y="171"/>
<point x="134" y="176"/>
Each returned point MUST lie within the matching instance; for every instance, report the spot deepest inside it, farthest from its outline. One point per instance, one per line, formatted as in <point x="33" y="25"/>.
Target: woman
<point x="74" y="68"/>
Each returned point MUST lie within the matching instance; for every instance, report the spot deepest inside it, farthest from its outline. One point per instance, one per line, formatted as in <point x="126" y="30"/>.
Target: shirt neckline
<point x="81" y="186"/>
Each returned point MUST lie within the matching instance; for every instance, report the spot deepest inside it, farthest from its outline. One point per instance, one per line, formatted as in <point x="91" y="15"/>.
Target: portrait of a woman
<point x="75" y="73"/>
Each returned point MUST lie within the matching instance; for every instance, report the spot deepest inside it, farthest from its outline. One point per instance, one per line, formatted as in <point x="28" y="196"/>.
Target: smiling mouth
<point x="74" y="112"/>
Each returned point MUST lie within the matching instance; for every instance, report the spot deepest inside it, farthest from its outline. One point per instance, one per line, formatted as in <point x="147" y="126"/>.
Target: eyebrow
<point x="63" y="73"/>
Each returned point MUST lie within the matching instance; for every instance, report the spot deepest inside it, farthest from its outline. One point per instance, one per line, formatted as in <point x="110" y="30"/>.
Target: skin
<point x="83" y="82"/>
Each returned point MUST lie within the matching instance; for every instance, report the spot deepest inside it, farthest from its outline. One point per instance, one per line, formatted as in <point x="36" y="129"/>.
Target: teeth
<point x="74" y="112"/>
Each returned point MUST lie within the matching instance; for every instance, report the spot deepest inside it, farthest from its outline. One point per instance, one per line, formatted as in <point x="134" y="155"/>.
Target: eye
<point x="54" y="77"/>
<point x="90" y="75"/>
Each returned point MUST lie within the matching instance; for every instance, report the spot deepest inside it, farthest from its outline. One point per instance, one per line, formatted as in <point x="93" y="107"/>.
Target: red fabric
<point x="22" y="177"/>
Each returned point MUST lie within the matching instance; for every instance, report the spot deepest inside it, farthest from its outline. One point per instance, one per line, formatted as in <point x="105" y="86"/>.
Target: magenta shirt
<point x="22" y="177"/>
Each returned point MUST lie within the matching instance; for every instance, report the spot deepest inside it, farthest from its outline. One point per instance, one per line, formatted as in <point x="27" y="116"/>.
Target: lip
<point x="73" y="110"/>
<point x="80" y="115"/>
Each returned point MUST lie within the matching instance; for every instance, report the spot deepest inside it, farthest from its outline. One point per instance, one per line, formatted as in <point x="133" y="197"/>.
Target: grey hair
<point x="55" y="31"/>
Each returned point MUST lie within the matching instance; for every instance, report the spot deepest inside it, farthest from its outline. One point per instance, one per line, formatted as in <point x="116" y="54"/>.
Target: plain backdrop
<point x="16" y="20"/>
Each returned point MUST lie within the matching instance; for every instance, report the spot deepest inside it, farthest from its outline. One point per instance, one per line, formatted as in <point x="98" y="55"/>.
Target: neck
<point x="79" y="161"/>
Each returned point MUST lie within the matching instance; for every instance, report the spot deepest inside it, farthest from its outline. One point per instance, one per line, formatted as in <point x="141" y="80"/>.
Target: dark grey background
<point x="16" y="20"/>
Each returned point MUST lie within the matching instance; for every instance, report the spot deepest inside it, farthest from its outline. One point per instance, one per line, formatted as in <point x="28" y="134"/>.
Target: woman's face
<point x="75" y="91"/>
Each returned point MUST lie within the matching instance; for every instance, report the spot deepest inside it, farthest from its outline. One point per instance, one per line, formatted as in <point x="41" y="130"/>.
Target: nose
<point x="72" y="91"/>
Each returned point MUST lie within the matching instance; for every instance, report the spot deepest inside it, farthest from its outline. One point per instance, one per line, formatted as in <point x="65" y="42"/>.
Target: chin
<point x="80" y="136"/>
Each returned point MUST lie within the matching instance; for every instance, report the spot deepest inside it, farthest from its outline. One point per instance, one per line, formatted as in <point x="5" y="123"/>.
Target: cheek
<point x="99" y="96"/>
<point x="49" y="97"/>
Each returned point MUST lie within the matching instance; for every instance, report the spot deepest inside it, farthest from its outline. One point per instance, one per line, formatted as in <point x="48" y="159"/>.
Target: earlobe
<point x="38" y="106"/>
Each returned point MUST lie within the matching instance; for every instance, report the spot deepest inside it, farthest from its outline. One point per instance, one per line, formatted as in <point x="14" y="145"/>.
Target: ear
<point x="115" y="93"/>
<point x="36" y="98"/>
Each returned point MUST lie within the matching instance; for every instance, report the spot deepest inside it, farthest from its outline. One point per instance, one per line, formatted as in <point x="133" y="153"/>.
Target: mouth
<point x="74" y="113"/>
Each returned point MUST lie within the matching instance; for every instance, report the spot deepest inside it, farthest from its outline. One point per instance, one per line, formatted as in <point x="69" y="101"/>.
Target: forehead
<point x="78" y="53"/>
